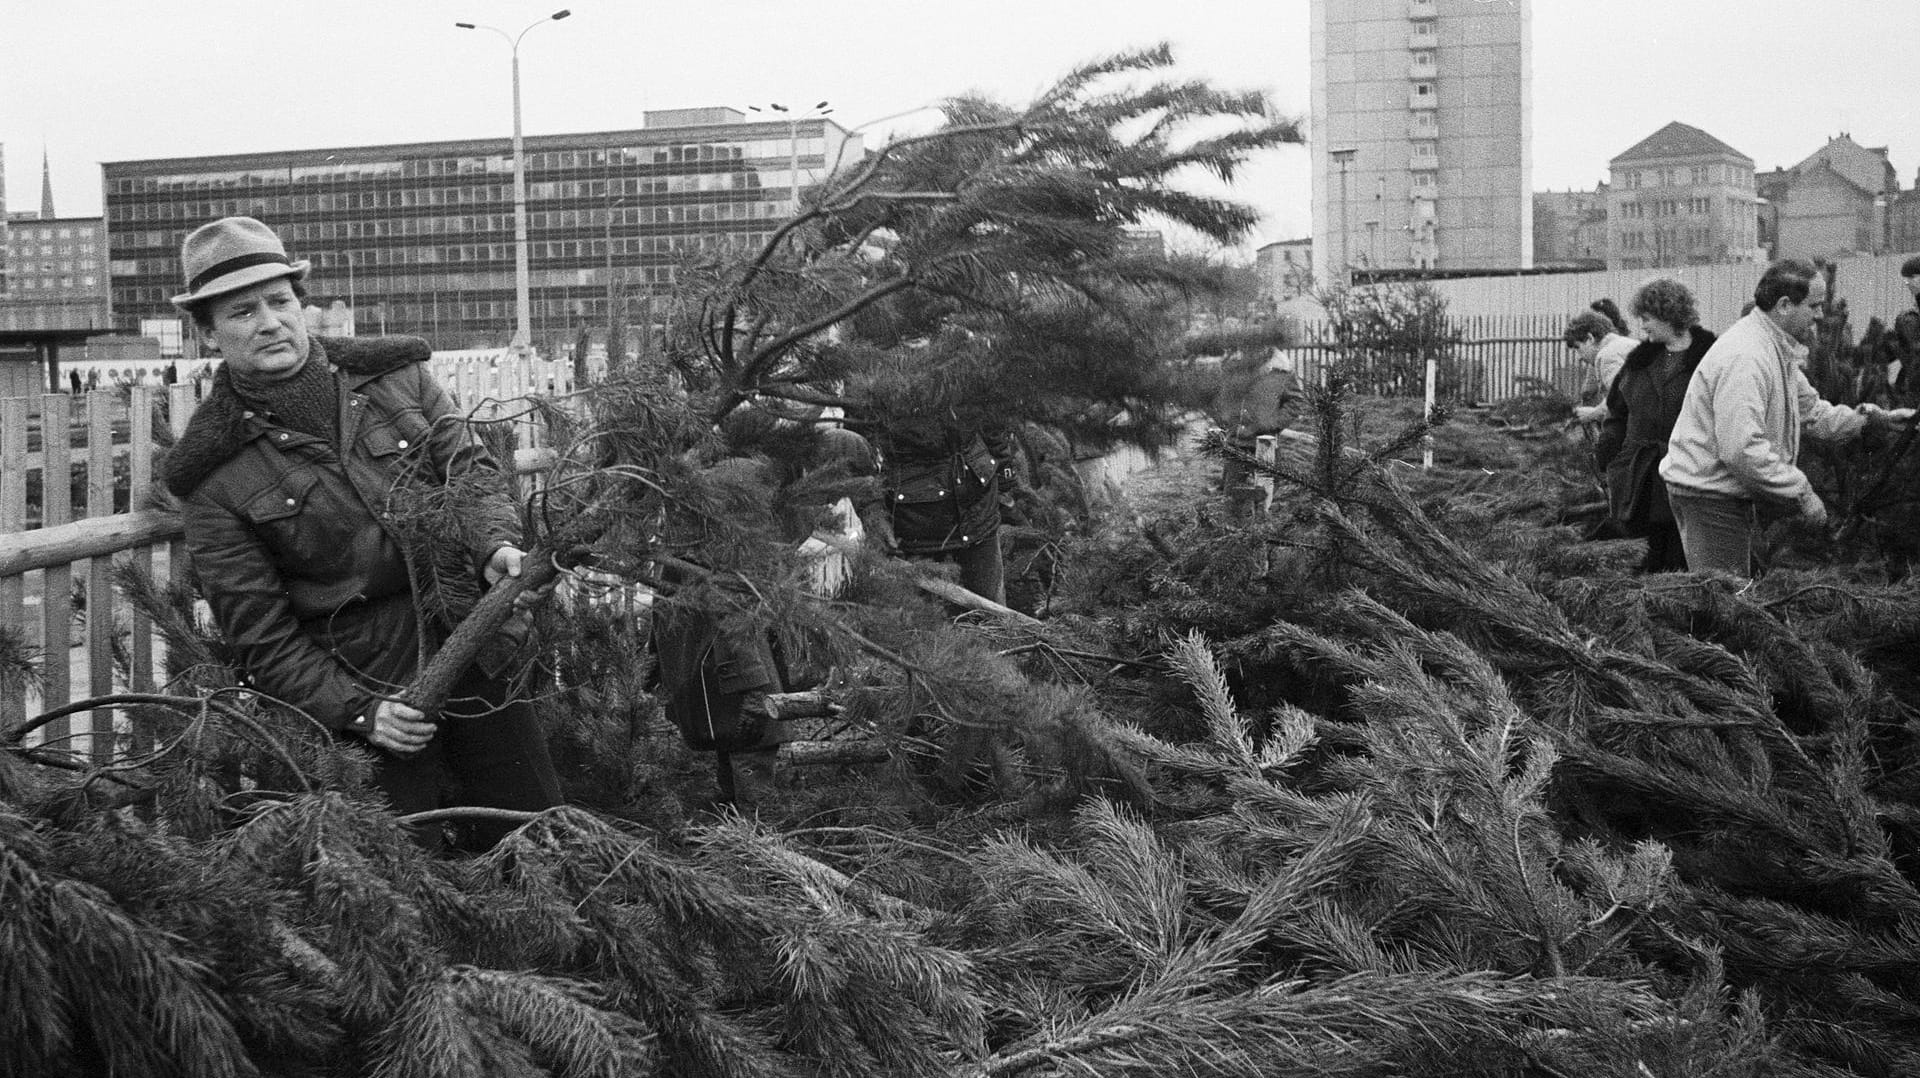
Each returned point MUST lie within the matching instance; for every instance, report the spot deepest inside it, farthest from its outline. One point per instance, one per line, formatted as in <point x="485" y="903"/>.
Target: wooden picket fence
<point x="77" y="496"/>
<point x="1497" y="358"/>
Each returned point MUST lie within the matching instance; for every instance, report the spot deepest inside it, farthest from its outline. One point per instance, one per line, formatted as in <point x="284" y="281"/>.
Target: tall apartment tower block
<point x="1421" y="120"/>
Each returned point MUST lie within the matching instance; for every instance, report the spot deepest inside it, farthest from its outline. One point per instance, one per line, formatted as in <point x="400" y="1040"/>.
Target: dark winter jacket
<point x="292" y="539"/>
<point x="706" y="667"/>
<point x="1906" y="348"/>
<point x="943" y="483"/>
<point x="1641" y="410"/>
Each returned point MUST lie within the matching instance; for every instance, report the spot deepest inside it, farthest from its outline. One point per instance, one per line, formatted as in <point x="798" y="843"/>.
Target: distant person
<point x="1611" y="309"/>
<point x="1256" y="397"/>
<point x="1905" y="378"/>
<point x="1737" y="437"/>
<point x="1639" y="415"/>
<point x="948" y="480"/>
<point x="1601" y="351"/>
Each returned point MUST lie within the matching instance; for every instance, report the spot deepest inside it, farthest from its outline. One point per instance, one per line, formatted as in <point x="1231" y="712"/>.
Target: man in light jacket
<point x="1738" y="435"/>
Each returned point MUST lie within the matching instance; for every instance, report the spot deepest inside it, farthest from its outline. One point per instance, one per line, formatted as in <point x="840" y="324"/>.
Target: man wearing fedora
<point x="285" y="476"/>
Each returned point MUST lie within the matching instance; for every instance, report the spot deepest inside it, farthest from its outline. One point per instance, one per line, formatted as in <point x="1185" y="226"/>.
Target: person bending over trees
<point x="288" y="475"/>
<point x="1602" y="352"/>
<point x="1639" y="413"/>
<point x="1737" y="438"/>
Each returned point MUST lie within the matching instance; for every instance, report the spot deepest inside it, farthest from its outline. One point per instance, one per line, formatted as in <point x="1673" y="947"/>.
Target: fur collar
<point x="219" y="426"/>
<point x="1647" y="353"/>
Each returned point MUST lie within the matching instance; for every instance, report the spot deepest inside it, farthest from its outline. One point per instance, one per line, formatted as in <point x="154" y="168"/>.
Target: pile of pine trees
<point x="1400" y="779"/>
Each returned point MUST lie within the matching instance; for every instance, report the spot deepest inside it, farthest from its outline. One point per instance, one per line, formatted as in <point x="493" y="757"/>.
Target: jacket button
<point x="966" y="538"/>
<point x="899" y="497"/>
<point x="403" y="443"/>
<point x="283" y="436"/>
<point x="941" y="493"/>
<point x="290" y="501"/>
<point x="246" y="415"/>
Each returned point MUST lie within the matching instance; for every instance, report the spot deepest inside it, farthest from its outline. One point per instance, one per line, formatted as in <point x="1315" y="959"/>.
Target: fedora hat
<point x="230" y="254"/>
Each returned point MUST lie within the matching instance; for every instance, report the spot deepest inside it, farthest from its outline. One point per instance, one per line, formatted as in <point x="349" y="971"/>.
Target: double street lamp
<point x="819" y="111"/>
<point x="522" y="285"/>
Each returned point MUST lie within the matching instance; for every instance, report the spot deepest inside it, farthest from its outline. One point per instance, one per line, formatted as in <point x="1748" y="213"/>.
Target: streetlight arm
<point x="504" y="36"/>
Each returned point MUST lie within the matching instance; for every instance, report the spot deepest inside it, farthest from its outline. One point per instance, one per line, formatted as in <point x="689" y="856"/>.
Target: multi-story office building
<point x="56" y="260"/>
<point x="1421" y="149"/>
<point x="1680" y="197"/>
<point x="53" y="269"/>
<point x="419" y="238"/>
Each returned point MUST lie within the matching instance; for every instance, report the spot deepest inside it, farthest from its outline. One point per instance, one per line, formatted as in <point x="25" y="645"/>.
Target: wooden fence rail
<point x="61" y="531"/>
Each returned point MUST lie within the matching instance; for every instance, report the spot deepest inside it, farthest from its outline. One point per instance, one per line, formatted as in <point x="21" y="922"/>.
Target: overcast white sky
<point x="105" y="80"/>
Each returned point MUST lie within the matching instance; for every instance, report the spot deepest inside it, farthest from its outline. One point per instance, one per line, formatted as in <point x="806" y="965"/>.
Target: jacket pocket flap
<point x="284" y="499"/>
<point x="387" y="439"/>
<point x="917" y="488"/>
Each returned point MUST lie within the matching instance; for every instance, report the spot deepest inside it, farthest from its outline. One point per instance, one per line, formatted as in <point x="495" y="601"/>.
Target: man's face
<point x="1587" y="349"/>
<point x="1797" y="318"/>
<point x="259" y="330"/>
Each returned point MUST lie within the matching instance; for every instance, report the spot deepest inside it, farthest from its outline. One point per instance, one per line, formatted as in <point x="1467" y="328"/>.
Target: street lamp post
<point x="1344" y="158"/>
<point x="818" y="111"/>
<point x="522" y="276"/>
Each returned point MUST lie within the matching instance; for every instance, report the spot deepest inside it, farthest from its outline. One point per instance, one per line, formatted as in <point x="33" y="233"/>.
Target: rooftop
<point x="1678" y="140"/>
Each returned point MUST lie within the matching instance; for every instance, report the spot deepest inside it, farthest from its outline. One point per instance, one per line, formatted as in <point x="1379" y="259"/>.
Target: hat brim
<point x="245" y="277"/>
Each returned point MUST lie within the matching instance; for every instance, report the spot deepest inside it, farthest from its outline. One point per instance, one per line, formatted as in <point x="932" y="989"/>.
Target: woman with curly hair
<point x="1641" y="408"/>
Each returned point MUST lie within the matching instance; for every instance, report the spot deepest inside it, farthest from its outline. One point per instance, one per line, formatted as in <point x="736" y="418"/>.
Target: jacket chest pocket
<point x="302" y="525"/>
<point x="397" y="437"/>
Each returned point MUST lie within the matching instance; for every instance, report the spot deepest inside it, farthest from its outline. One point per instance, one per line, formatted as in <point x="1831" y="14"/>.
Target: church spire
<point x="46" y="187"/>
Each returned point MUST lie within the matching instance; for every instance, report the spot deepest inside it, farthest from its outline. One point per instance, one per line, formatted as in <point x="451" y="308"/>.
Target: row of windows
<point x="318" y="232"/>
<point x="1682" y="176"/>
<point x="43" y="232"/>
<point x="70" y="282"/>
<point x="35" y="265"/>
<point x="49" y="250"/>
<point x="494" y="164"/>
<point x="1666" y="238"/>
<point x="591" y="253"/>
<point x="442" y="302"/>
<point x="1666" y="207"/>
<point x="736" y="187"/>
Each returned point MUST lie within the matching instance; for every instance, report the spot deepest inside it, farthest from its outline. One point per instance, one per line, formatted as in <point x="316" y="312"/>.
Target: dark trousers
<point x="1665" y="552"/>
<point x="489" y="752"/>
<point x="983" y="570"/>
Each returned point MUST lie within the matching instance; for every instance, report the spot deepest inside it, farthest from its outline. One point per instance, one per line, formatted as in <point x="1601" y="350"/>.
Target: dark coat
<point x="943" y="483"/>
<point x="706" y="666"/>
<point x="1642" y="408"/>
<point x="292" y="540"/>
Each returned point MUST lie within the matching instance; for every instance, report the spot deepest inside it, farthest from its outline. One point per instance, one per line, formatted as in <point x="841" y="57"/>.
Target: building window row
<point x="579" y="251"/>
<point x="69" y="283"/>
<point x="33" y="232"/>
<point x="740" y="186"/>
<point x="496" y="164"/>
